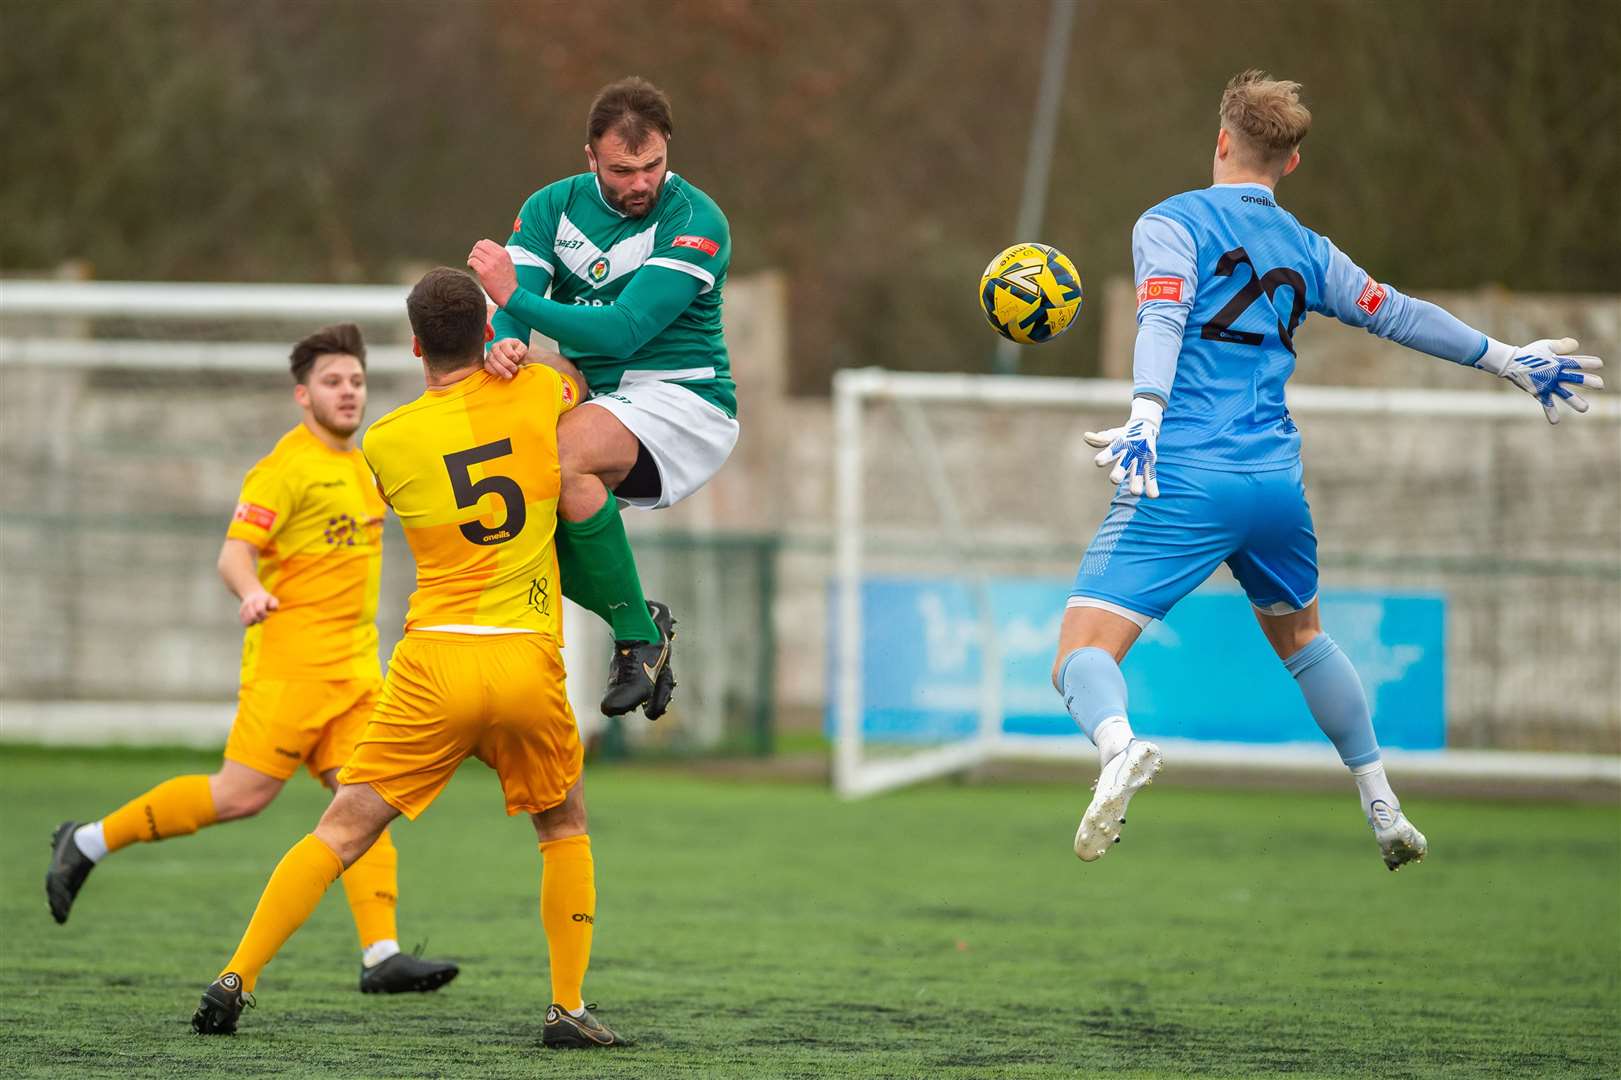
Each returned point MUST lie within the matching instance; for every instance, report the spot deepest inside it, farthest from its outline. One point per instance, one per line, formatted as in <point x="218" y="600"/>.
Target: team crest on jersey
<point x="1159" y="288"/>
<point x="1372" y="298"/>
<point x="341" y="530"/>
<point x="598" y="270"/>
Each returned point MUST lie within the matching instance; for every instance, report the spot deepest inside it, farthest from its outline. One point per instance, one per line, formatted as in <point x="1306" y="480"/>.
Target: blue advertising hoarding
<point x="1206" y="672"/>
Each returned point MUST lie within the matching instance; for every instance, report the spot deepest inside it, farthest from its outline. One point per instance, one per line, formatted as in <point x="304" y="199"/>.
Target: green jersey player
<point x="624" y="266"/>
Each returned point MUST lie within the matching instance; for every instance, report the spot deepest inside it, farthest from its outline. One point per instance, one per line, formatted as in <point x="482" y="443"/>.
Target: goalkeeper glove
<point x="1543" y="370"/>
<point x="1131" y="448"/>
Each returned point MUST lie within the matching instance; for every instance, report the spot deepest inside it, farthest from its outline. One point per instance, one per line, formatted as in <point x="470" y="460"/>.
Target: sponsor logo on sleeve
<point x="517" y="224"/>
<point x="1159" y="288"/>
<point x="568" y="392"/>
<point x="701" y="243"/>
<point x="1372" y="298"/>
<point x="261" y="516"/>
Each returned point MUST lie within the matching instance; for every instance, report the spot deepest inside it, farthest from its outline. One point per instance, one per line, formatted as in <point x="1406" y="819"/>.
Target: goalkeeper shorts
<point x="281" y="723"/>
<point x="1150" y="553"/>
<point x="497" y="697"/>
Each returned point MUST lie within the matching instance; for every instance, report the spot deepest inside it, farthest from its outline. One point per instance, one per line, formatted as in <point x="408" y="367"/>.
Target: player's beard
<point x="336" y="422"/>
<point x="652" y="200"/>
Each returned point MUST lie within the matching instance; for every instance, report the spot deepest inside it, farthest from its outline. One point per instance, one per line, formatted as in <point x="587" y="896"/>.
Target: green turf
<point x="753" y="930"/>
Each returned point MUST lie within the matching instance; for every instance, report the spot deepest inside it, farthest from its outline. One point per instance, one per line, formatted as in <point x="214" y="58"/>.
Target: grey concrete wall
<point x="116" y="486"/>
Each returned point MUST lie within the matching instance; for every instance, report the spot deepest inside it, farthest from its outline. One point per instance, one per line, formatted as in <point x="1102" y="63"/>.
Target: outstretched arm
<point x="1544" y="369"/>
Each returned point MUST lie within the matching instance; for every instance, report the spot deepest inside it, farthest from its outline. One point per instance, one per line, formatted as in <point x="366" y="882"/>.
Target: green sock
<point x="599" y="572"/>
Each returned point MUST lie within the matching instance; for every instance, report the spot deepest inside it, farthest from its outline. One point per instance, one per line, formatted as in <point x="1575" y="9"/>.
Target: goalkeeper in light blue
<point x="1208" y="463"/>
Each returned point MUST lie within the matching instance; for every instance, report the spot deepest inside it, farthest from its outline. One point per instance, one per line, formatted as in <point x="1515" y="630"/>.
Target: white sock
<point x="577" y="1013"/>
<point x="378" y="951"/>
<point x="1111" y="737"/>
<point x="91" y="840"/>
<point x="1374" y="786"/>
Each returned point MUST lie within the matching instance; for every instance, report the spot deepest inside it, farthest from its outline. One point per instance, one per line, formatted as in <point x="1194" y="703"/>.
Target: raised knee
<point x="1304" y="638"/>
<point x="559" y="830"/>
<point x="1306" y="651"/>
<point x="568" y="460"/>
<point x="237" y="804"/>
<point x="1066" y="654"/>
<point x="1058" y="668"/>
<point x="560" y="823"/>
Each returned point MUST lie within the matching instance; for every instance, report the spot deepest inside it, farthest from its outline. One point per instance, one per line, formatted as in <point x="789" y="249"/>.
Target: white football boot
<point x="1120" y="778"/>
<point x="1399" y="842"/>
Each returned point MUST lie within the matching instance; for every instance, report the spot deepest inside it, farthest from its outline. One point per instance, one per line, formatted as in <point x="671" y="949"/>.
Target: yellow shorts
<point x="282" y="722"/>
<point x="499" y="698"/>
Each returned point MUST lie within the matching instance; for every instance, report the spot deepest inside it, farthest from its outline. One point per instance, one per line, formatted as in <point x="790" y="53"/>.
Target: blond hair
<point x="1265" y="116"/>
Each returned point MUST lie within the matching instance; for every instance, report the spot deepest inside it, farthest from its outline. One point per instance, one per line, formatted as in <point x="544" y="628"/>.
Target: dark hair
<point x="448" y="317"/>
<point x="341" y="339"/>
<point x="631" y="108"/>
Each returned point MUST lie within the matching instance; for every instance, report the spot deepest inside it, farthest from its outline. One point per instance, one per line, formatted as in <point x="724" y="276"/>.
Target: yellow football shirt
<point x="317" y="520"/>
<point x="471" y="470"/>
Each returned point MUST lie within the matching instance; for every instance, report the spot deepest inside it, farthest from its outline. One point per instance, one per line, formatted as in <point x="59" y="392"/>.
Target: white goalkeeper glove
<point x="1130" y="449"/>
<point x="1543" y="370"/>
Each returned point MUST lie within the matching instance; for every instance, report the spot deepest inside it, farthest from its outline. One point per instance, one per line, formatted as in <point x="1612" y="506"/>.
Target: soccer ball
<point x="1030" y="293"/>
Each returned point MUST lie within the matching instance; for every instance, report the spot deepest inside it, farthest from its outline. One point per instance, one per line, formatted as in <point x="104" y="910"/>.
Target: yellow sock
<point x="177" y="807"/>
<point x="568" y="908"/>
<point x="290" y="897"/>
<point x="373" y="886"/>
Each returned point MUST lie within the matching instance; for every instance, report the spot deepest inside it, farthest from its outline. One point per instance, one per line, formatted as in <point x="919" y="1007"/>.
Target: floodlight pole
<point x="1039" y="158"/>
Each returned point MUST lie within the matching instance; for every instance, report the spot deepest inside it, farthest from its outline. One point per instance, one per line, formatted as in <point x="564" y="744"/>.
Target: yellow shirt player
<point x="303" y="554"/>
<point x="471" y="470"/>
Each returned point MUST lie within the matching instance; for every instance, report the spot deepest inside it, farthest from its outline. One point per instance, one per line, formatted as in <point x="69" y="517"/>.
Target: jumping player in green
<point x="634" y="258"/>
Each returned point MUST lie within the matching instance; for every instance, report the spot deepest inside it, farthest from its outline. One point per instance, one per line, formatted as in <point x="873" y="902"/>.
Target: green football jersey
<point x="630" y="299"/>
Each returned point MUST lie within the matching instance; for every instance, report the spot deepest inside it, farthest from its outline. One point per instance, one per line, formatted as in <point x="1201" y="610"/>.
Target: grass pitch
<point x="757" y="930"/>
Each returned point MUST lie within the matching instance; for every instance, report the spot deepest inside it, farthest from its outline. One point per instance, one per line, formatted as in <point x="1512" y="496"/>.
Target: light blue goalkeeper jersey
<point x="1225" y="278"/>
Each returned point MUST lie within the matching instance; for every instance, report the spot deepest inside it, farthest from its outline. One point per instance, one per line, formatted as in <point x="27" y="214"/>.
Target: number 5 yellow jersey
<point x="471" y="470"/>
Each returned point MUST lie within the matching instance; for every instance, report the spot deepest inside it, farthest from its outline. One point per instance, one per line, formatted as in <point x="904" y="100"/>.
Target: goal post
<point x="964" y="502"/>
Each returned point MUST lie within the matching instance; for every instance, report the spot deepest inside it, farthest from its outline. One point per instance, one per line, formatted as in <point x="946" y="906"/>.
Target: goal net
<point x="1470" y="559"/>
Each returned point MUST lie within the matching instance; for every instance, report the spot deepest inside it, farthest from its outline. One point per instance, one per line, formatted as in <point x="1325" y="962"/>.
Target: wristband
<point x="1496" y="358"/>
<point x="1146" y="408"/>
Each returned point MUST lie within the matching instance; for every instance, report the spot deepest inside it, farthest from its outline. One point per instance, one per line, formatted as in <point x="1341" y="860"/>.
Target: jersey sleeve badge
<point x="1372" y="298"/>
<point x="699" y="243"/>
<point x="253" y="514"/>
<point x="1159" y="288"/>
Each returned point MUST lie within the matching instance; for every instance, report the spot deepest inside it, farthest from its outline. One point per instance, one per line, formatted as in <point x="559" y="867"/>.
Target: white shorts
<point x="688" y="438"/>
